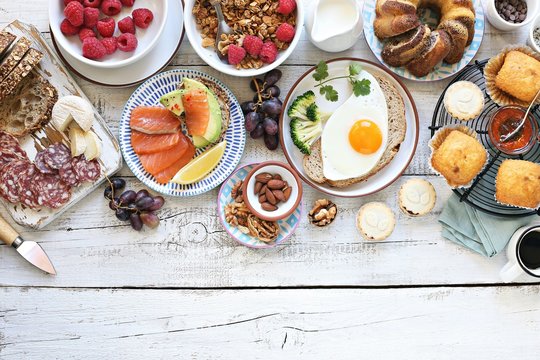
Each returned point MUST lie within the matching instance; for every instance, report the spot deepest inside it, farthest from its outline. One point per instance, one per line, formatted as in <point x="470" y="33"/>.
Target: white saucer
<point x="146" y="67"/>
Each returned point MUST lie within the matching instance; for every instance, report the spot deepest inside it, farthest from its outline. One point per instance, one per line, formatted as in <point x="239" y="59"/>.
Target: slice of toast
<point x="28" y="62"/>
<point x="11" y="60"/>
<point x="397" y="128"/>
<point x="6" y="39"/>
<point x="28" y="107"/>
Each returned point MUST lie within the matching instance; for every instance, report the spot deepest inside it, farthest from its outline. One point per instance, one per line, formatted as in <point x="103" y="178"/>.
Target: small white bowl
<point x="533" y="6"/>
<point x="535" y="24"/>
<point x="211" y="58"/>
<point x="147" y="38"/>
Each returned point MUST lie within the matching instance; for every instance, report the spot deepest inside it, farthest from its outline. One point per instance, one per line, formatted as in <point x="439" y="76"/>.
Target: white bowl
<point x="535" y="24"/>
<point x="211" y="57"/>
<point x="147" y="38"/>
<point x="533" y="6"/>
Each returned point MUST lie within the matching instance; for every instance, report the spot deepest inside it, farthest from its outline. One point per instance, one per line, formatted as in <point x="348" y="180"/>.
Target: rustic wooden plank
<point x="439" y="323"/>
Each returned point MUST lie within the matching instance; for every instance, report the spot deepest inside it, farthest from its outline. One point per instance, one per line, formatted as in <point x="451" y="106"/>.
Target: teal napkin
<point x="486" y="234"/>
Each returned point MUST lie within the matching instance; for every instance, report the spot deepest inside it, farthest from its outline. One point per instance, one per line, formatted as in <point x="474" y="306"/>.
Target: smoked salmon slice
<point x="157" y="162"/>
<point x="154" y="120"/>
<point x="166" y="175"/>
<point x="197" y="111"/>
<point x="148" y="144"/>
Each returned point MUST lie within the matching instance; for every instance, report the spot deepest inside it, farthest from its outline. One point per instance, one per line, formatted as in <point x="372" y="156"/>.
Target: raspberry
<point x="105" y="27"/>
<point x="93" y="49"/>
<point x="268" y="52"/>
<point x="286" y="7"/>
<point x="126" y="25"/>
<point x="253" y="45"/>
<point x="85" y="32"/>
<point x="111" y="7"/>
<point x="74" y="12"/>
<point x="91" y="3"/>
<point x="91" y="17"/>
<point x="110" y="44"/>
<point x="128" y="3"/>
<point x="285" y="32"/>
<point x="142" y="17"/>
<point x="127" y="42"/>
<point x="236" y="54"/>
<point x="67" y="29"/>
<point x="68" y="1"/>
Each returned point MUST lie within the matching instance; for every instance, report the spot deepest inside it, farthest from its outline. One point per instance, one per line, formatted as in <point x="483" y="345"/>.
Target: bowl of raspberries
<point x="264" y="33"/>
<point x="107" y="33"/>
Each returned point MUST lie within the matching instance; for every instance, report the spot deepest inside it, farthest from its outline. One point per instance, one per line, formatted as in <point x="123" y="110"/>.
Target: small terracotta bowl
<point x="284" y="208"/>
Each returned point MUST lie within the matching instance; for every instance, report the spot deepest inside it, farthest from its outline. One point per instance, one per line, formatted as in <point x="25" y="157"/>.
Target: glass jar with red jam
<point x="504" y="121"/>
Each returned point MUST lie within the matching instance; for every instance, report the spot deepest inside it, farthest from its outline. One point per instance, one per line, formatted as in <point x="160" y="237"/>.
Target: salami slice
<point x="51" y="190"/>
<point x="86" y="170"/>
<point x="8" y="180"/>
<point x="41" y="165"/>
<point x="25" y="187"/>
<point x="10" y="149"/>
<point x="57" y="155"/>
<point x="68" y="175"/>
<point x="7" y="156"/>
<point x="8" y="141"/>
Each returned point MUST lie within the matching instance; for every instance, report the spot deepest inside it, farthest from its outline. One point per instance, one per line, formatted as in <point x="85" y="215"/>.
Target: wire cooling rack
<point x="481" y="194"/>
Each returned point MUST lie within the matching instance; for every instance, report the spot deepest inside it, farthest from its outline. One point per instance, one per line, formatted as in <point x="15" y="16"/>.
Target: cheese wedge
<point x="77" y="139"/>
<point x="69" y="108"/>
<point x="93" y="146"/>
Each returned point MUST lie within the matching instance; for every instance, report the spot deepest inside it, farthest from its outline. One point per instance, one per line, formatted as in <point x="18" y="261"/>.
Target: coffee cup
<point x="523" y="254"/>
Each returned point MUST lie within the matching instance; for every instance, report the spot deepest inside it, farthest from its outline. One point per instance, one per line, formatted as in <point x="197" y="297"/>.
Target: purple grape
<point x="108" y="193"/>
<point x="272" y="107"/>
<point x="128" y="197"/>
<point x="136" y="222"/>
<point x="132" y="208"/>
<point x="270" y="126"/>
<point x="271" y="141"/>
<point x="113" y="204"/>
<point x="122" y="215"/>
<point x="159" y="201"/>
<point x="272" y="77"/>
<point x="252" y="119"/>
<point x="272" y="91"/>
<point x="141" y="193"/>
<point x="254" y="82"/>
<point x="118" y="183"/>
<point x="258" y="132"/>
<point x="150" y="219"/>
<point x="144" y="203"/>
<point x="248" y="106"/>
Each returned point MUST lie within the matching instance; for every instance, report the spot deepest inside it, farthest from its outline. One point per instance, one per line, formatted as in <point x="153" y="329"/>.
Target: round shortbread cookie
<point x="417" y="197"/>
<point x="464" y="100"/>
<point x="375" y="221"/>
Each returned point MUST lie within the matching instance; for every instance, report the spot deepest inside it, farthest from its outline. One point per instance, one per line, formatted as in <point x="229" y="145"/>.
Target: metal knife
<point x="30" y="250"/>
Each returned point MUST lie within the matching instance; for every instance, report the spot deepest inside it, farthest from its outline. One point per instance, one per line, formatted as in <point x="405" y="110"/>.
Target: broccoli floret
<point x="298" y="108"/>
<point x="314" y="114"/>
<point x="304" y="133"/>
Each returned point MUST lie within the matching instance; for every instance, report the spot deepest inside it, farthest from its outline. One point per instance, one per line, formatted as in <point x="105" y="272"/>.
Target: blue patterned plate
<point x="442" y="70"/>
<point x="148" y="94"/>
<point x="287" y="226"/>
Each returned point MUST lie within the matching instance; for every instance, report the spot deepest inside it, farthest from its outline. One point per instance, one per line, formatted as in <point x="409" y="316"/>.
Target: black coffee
<point x="529" y="250"/>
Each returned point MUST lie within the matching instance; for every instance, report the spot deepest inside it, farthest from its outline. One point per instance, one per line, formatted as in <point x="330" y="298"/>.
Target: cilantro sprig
<point x="360" y="87"/>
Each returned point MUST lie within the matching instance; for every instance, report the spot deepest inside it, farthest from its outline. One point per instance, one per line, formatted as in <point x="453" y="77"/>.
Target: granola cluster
<point x="245" y="17"/>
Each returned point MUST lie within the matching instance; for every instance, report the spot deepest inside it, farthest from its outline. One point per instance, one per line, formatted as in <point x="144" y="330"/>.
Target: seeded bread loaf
<point x="6" y="39"/>
<point x="397" y="127"/>
<point x="15" y="55"/>
<point x="28" y="107"/>
<point x="28" y="62"/>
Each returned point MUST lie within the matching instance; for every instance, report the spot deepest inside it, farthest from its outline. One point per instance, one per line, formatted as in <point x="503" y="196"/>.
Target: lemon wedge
<point x="199" y="167"/>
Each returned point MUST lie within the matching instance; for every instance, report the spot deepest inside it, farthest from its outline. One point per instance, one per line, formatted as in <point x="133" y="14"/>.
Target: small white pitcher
<point x="334" y="25"/>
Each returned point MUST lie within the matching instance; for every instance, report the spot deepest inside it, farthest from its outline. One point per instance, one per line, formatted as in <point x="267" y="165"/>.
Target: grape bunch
<point x="263" y="112"/>
<point x="136" y="207"/>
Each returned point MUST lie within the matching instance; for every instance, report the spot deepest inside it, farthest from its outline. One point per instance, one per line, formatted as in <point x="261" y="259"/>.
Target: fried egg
<point x="355" y="136"/>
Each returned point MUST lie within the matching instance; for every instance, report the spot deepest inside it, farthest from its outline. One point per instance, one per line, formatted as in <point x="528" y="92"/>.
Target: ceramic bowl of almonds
<point x="272" y="190"/>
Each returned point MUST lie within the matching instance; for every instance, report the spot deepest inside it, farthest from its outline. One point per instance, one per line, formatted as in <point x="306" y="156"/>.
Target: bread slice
<point x="397" y="128"/>
<point x="6" y="39"/>
<point x="15" y="55"/>
<point x="28" y="62"/>
<point x="28" y="107"/>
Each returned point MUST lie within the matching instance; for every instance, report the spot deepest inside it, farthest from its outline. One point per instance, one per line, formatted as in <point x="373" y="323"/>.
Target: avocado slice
<point x="213" y="131"/>
<point x="173" y="102"/>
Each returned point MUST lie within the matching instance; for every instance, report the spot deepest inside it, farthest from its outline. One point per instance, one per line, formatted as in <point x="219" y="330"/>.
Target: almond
<point x="270" y="197"/>
<point x="268" y="207"/>
<point x="287" y="193"/>
<point x="263" y="177"/>
<point x="279" y="195"/>
<point x="262" y="199"/>
<point x="258" y="186"/>
<point x="276" y="184"/>
<point x="278" y="177"/>
<point x="263" y="190"/>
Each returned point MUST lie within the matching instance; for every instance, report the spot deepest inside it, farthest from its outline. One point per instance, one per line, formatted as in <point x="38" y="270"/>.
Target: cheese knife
<point x="30" y="250"/>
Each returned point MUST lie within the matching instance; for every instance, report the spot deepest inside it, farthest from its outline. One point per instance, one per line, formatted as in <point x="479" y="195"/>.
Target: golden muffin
<point x="518" y="184"/>
<point x="519" y="76"/>
<point x="457" y="156"/>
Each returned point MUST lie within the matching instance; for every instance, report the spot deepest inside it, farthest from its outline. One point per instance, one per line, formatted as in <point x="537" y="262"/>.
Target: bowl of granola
<point x="265" y="33"/>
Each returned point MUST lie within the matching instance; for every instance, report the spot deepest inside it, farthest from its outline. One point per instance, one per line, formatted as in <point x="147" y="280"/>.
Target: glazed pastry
<point x="518" y="184"/>
<point x="464" y="100"/>
<point x="438" y="48"/>
<point x="417" y="197"/>
<point x="402" y="49"/>
<point x="375" y="221"/>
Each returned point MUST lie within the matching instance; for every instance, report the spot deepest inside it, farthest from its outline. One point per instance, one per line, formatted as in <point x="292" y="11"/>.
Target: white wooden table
<point x="188" y="291"/>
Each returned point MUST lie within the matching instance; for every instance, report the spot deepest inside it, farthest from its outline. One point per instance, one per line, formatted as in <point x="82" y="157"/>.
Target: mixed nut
<point x="323" y="213"/>
<point x="272" y="190"/>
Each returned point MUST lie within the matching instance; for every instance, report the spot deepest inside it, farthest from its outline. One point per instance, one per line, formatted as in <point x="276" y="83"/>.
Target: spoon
<point x="507" y="137"/>
<point x="223" y="28"/>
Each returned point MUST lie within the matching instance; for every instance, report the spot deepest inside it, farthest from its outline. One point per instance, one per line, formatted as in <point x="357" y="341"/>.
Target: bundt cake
<point x="436" y="51"/>
<point x="398" y="21"/>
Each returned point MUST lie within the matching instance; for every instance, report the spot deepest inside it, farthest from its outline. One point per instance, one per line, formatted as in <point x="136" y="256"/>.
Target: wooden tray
<point x="52" y="69"/>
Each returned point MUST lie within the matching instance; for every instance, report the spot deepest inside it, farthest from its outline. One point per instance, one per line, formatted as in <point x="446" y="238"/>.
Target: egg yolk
<point x="365" y="137"/>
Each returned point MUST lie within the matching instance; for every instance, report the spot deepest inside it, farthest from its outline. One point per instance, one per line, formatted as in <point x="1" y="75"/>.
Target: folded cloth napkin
<point x="486" y="234"/>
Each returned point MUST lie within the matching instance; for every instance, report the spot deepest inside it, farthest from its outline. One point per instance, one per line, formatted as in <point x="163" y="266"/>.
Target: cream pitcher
<point x="334" y="25"/>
